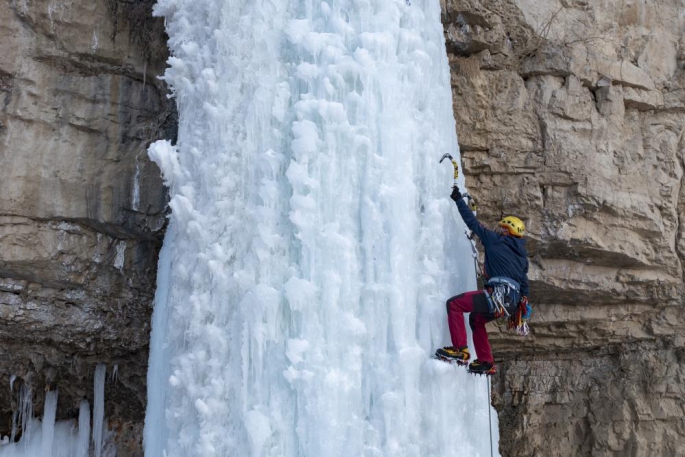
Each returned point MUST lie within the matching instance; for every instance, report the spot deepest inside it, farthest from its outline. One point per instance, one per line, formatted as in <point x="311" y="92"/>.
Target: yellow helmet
<point x="514" y="225"/>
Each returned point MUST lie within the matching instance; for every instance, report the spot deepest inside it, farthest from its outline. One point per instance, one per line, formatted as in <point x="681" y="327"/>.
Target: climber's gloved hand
<point x="526" y="309"/>
<point x="456" y="195"/>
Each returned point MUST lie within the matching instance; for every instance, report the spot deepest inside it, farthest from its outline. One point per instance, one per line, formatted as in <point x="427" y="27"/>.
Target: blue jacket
<point x="504" y="255"/>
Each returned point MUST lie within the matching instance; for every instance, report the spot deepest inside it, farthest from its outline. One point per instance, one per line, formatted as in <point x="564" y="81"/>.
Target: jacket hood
<point x="518" y="245"/>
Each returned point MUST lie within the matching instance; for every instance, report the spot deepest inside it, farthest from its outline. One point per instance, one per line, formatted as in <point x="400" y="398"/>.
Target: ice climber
<point x="504" y="294"/>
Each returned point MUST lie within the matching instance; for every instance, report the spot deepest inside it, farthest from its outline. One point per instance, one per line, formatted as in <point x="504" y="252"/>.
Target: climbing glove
<point x="456" y="195"/>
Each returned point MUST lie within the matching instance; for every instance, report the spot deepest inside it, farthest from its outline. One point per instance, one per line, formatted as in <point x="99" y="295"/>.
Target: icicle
<point x="115" y="374"/>
<point x="24" y="413"/>
<point x="83" y="429"/>
<point x="155" y="432"/>
<point x="99" y="408"/>
<point x="135" y="204"/>
<point x="13" y="434"/>
<point x="15" y="413"/>
<point x="120" y="258"/>
<point x="49" y="414"/>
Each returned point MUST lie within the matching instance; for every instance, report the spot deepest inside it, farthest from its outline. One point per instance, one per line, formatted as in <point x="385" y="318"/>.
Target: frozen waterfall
<point x="312" y="243"/>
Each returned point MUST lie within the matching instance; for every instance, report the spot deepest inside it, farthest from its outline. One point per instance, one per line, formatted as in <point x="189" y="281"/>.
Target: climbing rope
<point x="489" y="415"/>
<point x="471" y="236"/>
<point x="476" y="261"/>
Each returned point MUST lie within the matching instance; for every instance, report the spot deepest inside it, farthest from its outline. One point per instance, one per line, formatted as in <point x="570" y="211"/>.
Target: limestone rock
<point x="82" y="209"/>
<point x="578" y="128"/>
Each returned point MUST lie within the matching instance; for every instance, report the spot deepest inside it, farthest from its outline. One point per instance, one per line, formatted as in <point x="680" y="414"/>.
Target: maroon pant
<point x="476" y="304"/>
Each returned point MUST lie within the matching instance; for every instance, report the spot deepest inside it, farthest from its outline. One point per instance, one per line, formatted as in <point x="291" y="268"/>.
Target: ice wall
<point x="314" y="244"/>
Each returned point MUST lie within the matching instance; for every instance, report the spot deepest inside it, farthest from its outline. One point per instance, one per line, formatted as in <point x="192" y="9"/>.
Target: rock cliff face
<point x="81" y="206"/>
<point x="571" y="114"/>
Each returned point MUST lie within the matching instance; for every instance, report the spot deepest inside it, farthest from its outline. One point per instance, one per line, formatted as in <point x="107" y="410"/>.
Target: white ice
<point x="51" y="438"/>
<point x="83" y="436"/>
<point x="99" y="408"/>
<point x="48" y="438"/>
<point x="312" y="243"/>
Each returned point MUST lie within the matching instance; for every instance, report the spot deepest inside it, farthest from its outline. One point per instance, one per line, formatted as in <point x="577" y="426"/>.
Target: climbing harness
<point x="498" y="291"/>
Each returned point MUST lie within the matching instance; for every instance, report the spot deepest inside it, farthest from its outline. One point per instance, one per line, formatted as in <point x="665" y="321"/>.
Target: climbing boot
<point x="482" y="367"/>
<point x="450" y="354"/>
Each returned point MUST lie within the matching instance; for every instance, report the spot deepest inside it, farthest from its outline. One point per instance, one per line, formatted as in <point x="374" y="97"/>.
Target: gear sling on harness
<point x="503" y="295"/>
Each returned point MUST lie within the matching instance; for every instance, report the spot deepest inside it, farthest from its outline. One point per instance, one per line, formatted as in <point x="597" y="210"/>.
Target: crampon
<point x="482" y="368"/>
<point x="451" y="355"/>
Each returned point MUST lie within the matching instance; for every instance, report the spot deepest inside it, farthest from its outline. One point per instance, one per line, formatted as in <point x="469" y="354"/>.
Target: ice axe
<point x="469" y="198"/>
<point x="455" y="164"/>
<point x="472" y="204"/>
